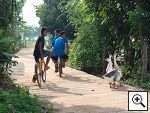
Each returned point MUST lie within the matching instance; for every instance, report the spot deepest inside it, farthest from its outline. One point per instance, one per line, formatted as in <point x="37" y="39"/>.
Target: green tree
<point x="10" y="22"/>
<point x="102" y="28"/>
<point x="51" y="16"/>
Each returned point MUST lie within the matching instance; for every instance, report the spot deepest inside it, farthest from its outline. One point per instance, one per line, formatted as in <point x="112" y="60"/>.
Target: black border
<point x="137" y="91"/>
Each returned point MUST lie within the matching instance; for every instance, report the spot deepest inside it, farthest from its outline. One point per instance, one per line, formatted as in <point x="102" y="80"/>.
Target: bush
<point x="20" y="101"/>
<point x="145" y="83"/>
<point x="8" y="46"/>
<point x="85" y="51"/>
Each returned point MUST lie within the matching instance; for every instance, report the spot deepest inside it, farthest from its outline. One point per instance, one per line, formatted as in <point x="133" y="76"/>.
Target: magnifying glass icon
<point x="137" y="99"/>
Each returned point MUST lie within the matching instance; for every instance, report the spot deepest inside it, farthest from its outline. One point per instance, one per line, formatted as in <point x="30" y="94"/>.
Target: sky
<point x="29" y="12"/>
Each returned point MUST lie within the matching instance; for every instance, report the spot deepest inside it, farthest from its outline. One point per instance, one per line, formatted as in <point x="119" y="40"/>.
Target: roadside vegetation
<point x="13" y="98"/>
<point x="98" y="28"/>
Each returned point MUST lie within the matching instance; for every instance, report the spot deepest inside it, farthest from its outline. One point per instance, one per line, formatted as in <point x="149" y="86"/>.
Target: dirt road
<point x="76" y="92"/>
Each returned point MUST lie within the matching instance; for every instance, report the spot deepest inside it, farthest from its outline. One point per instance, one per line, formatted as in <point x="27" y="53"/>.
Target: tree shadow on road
<point x="45" y="97"/>
<point x="57" y="89"/>
<point x="59" y="108"/>
<point x="54" y="87"/>
<point x="77" y="78"/>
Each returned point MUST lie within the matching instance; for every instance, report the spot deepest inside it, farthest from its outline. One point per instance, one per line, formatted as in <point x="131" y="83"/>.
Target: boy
<point x="60" y="49"/>
<point x="56" y="35"/>
<point x="39" y="51"/>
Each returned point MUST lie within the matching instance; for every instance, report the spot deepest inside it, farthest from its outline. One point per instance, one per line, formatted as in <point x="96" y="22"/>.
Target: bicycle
<point x="41" y="73"/>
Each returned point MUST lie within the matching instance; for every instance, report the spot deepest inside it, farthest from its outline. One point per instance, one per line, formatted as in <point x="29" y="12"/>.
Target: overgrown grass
<point x="133" y="77"/>
<point x="20" y="101"/>
<point x="145" y="83"/>
<point x="16" y="99"/>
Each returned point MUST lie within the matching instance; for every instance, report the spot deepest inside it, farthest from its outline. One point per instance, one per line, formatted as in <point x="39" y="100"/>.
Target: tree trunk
<point x="148" y="58"/>
<point x="144" y="59"/>
<point x="144" y="53"/>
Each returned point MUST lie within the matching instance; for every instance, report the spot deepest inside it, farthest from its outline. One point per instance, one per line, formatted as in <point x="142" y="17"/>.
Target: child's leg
<point x="48" y="55"/>
<point x="48" y="59"/>
<point x="35" y="68"/>
<point x="65" y="58"/>
<point x="63" y="62"/>
<point x="35" y="75"/>
<point x="36" y="63"/>
<point x="55" y="61"/>
<point x="56" y="66"/>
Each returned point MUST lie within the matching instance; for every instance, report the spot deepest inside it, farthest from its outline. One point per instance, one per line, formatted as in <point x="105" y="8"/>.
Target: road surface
<point x="76" y="92"/>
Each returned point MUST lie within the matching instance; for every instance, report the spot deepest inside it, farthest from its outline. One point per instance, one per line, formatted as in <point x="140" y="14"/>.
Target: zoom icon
<point x="138" y="101"/>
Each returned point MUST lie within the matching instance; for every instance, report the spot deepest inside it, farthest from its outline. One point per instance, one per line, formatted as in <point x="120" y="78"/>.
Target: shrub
<point x="20" y="101"/>
<point x="85" y="51"/>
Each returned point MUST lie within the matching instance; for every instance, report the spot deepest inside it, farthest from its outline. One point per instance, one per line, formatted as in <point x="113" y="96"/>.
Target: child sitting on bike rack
<point x="39" y="52"/>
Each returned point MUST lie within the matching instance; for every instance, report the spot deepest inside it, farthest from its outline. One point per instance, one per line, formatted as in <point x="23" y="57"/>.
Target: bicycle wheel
<point x="60" y="67"/>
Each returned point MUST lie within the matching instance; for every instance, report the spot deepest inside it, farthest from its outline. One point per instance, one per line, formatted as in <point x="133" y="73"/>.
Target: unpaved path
<point x="76" y="92"/>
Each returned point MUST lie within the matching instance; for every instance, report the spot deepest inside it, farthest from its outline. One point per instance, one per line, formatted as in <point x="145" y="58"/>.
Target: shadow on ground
<point x="57" y="89"/>
<point x="88" y="109"/>
<point x="77" y="78"/>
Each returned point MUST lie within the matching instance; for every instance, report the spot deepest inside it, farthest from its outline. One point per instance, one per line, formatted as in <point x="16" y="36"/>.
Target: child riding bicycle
<point x="60" y="50"/>
<point x="39" y="52"/>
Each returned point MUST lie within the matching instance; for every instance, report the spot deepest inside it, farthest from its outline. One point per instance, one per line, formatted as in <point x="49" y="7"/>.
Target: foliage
<point x="7" y="48"/>
<point x="145" y="83"/>
<point x="10" y="39"/>
<point x="102" y="28"/>
<point x="52" y="17"/>
<point x="31" y="32"/>
<point x="117" y="23"/>
<point x="85" y="51"/>
<point x="20" y="101"/>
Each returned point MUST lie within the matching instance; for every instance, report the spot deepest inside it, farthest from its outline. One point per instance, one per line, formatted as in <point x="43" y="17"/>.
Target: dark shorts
<point x="55" y="58"/>
<point x="37" y="55"/>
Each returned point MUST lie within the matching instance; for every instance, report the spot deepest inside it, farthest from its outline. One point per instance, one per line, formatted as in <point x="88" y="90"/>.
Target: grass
<point x="145" y="83"/>
<point x="20" y="101"/>
<point x="16" y="99"/>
